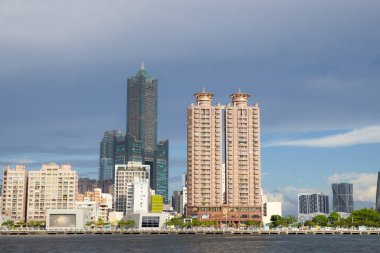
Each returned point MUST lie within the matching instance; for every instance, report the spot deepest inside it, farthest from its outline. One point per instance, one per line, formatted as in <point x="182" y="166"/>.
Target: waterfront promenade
<point x="189" y="232"/>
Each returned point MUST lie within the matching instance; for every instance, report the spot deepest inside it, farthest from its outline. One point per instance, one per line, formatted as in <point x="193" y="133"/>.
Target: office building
<point x="141" y="196"/>
<point x="311" y="204"/>
<point x="126" y="176"/>
<point x="230" y="192"/>
<point x="14" y="193"/>
<point x="108" y="148"/>
<point x="378" y="193"/>
<point x="161" y="182"/>
<point x="343" y="198"/>
<point x="141" y="126"/>
<point x="52" y="187"/>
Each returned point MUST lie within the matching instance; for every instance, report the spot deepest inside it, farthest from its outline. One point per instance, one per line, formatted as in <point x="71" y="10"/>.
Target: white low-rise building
<point x="148" y="220"/>
<point x="64" y="219"/>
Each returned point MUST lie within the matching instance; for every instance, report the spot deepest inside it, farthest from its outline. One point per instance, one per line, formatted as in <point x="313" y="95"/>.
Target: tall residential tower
<point x="236" y="129"/>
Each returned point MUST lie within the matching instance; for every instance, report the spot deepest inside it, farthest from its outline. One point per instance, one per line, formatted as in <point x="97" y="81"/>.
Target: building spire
<point x="204" y="89"/>
<point x="142" y="67"/>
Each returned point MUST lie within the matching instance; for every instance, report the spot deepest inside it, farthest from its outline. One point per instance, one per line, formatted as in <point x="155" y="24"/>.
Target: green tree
<point x="320" y="220"/>
<point x="333" y="218"/>
<point x="126" y="223"/>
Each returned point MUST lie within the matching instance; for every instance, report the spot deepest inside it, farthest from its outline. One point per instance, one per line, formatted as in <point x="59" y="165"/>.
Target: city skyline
<point x="316" y="82"/>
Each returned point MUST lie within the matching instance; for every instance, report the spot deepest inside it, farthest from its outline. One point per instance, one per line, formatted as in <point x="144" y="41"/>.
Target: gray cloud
<point x="312" y="65"/>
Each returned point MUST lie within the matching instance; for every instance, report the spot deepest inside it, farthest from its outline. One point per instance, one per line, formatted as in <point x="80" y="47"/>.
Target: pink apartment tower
<point x="218" y="135"/>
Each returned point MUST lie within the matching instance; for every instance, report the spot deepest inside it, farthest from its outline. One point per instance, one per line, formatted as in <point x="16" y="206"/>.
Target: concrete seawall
<point x="187" y="232"/>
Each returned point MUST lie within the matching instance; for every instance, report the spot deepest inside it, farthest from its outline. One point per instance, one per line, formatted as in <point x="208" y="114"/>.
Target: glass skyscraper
<point x="108" y="154"/>
<point x="343" y="198"/>
<point x="141" y="125"/>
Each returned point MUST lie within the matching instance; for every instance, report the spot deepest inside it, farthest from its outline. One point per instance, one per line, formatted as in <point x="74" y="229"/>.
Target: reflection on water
<point x="190" y="243"/>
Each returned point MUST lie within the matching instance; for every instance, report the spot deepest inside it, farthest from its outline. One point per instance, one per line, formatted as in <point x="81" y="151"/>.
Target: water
<point x="190" y="243"/>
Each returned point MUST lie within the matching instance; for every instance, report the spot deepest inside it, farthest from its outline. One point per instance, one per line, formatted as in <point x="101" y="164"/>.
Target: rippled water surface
<point x="190" y="243"/>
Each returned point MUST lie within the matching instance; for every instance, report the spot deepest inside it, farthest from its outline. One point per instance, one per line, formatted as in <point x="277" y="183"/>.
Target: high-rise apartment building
<point x="243" y="175"/>
<point x="126" y="176"/>
<point x="343" y="197"/>
<point x="378" y="193"/>
<point x="230" y="192"/>
<point x="141" y="125"/>
<point x="52" y="187"/>
<point x="14" y="192"/>
<point x="204" y="153"/>
<point x="110" y="154"/>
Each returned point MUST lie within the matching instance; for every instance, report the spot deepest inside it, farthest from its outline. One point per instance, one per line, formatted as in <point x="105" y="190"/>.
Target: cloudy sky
<point x="313" y="66"/>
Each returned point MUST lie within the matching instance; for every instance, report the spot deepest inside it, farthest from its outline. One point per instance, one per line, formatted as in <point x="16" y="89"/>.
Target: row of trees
<point x="362" y="217"/>
<point x="17" y="224"/>
<point x="121" y="224"/>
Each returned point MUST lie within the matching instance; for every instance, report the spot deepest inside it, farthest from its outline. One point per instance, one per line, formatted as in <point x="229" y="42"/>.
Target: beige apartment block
<point x="14" y="192"/>
<point x="52" y="187"/>
<point x="231" y="192"/>
<point x="204" y="152"/>
<point x="243" y="178"/>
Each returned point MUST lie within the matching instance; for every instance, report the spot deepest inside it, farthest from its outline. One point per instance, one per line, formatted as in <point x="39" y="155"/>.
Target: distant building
<point x="162" y="169"/>
<point x="378" y="193"/>
<point x="311" y="204"/>
<point x="106" y="186"/>
<point x="343" y="198"/>
<point x="97" y="202"/>
<point x="52" y="187"/>
<point x="125" y="178"/>
<point x="176" y="201"/>
<point x="157" y="203"/>
<point x="14" y="193"/>
<point x="86" y="185"/>
<point x="108" y="154"/>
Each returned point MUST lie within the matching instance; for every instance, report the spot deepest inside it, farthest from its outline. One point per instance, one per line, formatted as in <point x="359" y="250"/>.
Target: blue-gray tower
<point x="141" y="125"/>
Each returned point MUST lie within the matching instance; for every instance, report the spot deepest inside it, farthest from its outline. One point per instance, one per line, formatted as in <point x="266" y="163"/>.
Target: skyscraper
<point x="311" y="204"/>
<point x="141" y="125"/>
<point x="108" y="148"/>
<point x="207" y="179"/>
<point x="343" y="200"/>
<point x="378" y="193"/>
<point x="142" y="112"/>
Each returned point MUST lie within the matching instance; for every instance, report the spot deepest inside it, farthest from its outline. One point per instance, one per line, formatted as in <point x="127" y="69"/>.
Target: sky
<point x="313" y="67"/>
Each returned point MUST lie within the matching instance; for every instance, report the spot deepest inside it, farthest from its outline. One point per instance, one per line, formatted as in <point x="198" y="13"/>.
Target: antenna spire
<point x="239" y="90"/>
<point x="142" y="67"/>
<point x="204" y="89"/>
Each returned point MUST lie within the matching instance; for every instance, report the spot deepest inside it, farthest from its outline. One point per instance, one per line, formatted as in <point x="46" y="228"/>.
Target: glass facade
<point x="141" y="125"/>
<point x="109" y="151"/>
<point x="150" y="221"/>
<point x="343" y="198"/>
